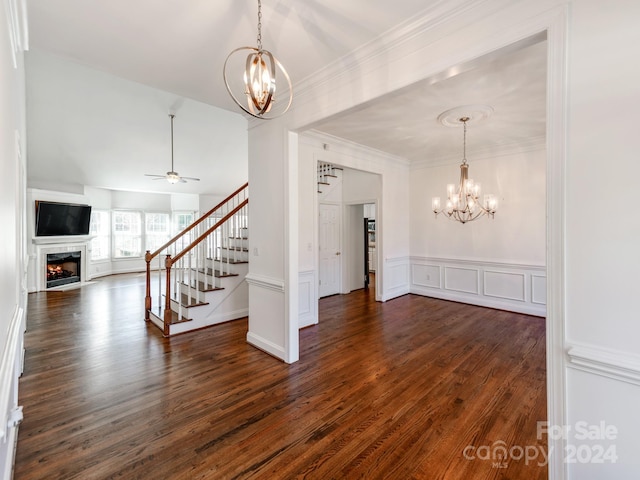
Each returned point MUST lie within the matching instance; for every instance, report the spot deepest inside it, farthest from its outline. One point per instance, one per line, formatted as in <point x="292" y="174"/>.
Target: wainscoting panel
<point x="307" y="305"/>
<point x="10" y="370"/>
<point x="505" y="286"/>
<point x="395" y="278"/>
<point x="465" y="280"/>
<point x="539" y="289"/>
<point x="266" y="310"/>
<point x="426" y="275"/>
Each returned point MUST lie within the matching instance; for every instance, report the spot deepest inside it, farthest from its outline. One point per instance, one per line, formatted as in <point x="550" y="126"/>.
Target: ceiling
<point x="180" y="46"/>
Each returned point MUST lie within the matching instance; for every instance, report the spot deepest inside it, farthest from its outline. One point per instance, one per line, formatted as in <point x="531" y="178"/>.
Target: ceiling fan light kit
<point x="258" y="86"/>
<point x="463" y="204"/>
<point x="172" y="176"/>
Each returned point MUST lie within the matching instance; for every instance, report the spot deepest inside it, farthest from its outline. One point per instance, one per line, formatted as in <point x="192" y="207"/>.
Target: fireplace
<point x="63" y="268"/>
<point x="63" y="255"/>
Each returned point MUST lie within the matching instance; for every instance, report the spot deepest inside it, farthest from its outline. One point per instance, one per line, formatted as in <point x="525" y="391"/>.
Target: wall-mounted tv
<point x="55" y="219"/>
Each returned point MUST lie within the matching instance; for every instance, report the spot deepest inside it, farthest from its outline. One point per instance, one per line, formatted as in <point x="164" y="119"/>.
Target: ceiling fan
<point x="172" y="176"/>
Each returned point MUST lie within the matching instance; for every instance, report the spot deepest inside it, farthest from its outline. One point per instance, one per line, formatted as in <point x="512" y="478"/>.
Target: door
<point x="329" y="243"/>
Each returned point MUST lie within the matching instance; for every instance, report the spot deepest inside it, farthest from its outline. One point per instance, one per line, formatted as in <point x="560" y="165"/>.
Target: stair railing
<point x="190" y="252"/>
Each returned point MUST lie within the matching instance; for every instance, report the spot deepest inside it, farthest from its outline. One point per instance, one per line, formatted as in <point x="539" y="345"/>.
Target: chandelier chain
<point x="464" y="139"/>
<point x="259" y="25"/>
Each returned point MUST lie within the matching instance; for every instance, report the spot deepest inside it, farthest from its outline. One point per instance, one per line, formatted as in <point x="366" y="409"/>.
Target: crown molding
<point x="16" y="11"/>
<point x="341" y="146"/>
<point x="438" y="13"/>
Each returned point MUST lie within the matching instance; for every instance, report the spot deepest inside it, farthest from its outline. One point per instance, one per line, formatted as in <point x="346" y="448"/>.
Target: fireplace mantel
<point x="76" y="239"/>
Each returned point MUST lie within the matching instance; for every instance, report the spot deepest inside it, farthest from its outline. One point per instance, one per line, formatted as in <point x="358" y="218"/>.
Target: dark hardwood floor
<point x="415" y="388"/>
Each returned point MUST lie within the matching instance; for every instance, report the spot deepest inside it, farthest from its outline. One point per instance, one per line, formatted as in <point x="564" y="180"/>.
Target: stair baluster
<point x="186" y="258"/>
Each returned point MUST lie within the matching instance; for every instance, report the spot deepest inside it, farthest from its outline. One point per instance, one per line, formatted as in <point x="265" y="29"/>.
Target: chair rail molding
<point x="262" y="281"/>
<point x="613" y="364"/>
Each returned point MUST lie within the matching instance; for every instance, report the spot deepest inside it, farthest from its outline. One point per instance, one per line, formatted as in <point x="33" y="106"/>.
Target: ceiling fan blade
<point x="191" y="178"/>
<point x="157" y="176"/>
<point x="182" y="180"/>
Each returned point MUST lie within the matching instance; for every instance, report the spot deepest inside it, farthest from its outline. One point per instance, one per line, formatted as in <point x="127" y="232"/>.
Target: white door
<point x="329" y="242"/>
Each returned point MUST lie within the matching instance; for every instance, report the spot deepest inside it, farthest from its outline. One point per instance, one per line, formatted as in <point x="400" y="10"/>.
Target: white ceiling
<point x="405" y="123"/>
<point x="180" y="46"/>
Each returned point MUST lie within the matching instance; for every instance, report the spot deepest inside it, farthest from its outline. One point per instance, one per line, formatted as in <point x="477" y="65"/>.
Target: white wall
<point x="150" y="202"/>
<point x="517" y="233"/>
<point x="354" y="228"/>
<point x="592" y="167"/>
<point x="360" y="187"/>
<point x="13" y="253"/>
<point x="498" y="262"/>
<point x="602" y="255"/>
<point x="369" y="176"/>
<point x="273" y="309"/>
<point x="90" y="128"/>
<point x="207" y="202"/>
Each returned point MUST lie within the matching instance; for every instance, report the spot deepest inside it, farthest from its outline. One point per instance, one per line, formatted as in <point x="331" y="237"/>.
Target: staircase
<point x="196" y="279"/>
<point x="327" y="175"/>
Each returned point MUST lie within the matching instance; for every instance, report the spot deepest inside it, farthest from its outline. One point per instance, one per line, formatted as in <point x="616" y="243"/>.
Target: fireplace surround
<point x="61" y="262"/>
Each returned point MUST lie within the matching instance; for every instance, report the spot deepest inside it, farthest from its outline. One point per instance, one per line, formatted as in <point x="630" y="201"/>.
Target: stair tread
<point x="323" y="183"/>
<point x="239" y="238"/>
<point x="159" y="314"/>
<point x="184" y="300"/>
<point x="224" y="260"/>
<point x="201" y="288"/>
<point x="232" y="262"/>
<point x="236" y="249"/>
<point x="217" y="273"/>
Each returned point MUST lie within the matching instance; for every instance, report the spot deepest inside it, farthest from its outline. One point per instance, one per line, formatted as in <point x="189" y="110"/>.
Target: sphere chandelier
<point x="256" y="93"/>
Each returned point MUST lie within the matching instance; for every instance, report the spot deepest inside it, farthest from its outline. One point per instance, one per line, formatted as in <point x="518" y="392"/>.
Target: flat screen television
<point x="56" y="219"/>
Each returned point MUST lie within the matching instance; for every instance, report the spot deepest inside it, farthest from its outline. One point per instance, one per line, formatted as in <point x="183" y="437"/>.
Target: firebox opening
<point x="63" y="268"/>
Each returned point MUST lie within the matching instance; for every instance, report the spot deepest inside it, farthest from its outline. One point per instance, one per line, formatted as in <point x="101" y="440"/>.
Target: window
<point x="127" y="234"/>
<point x="100" y="229"/>
<point x="182" y="220"/>
<point x="157" y="230"/>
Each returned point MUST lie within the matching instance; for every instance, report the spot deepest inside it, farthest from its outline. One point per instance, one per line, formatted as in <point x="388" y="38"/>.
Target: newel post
<point x="147" y="298"/>
<point x="167" y="304"/>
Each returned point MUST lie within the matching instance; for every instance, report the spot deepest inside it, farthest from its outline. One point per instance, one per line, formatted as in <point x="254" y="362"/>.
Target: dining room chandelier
<point x="463" y="200"/>
<point x="254" y="89"/>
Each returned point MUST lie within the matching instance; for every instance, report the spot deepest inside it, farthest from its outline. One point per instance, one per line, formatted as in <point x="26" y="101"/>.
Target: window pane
<point x="182" y="220"/>
<point x="127" y="236"/>
<point x="99" y="228"/>
<point x="157" y="230"/>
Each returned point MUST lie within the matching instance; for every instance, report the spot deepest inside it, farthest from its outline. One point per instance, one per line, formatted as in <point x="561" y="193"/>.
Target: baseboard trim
<point x="481" y="302"/>
<point x="513" y="287"/>
<point x="185" y="327"/>
<point x="620" y="366"/>
<point x="266" y="346"/>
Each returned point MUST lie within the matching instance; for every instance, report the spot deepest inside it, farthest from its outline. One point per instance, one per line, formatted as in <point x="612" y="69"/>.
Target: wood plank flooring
<point x="400" y="390"/>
